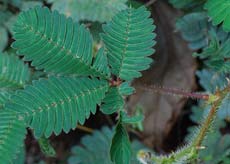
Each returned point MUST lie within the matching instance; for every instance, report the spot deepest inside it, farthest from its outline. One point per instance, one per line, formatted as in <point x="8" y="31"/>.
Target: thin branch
<point x="175" y="91"/>
<point x="189" y="151"/>
<point x="84" y="128"/>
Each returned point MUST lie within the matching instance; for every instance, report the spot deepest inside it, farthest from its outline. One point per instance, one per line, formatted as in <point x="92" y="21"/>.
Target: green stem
<point x="190" y="151"/>
<point x="211" y="116"/>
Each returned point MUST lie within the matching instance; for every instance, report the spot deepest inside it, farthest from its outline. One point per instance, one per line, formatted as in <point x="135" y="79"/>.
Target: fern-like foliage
<point x="101" y="62"/>
<point x="59" y="46"/>
<point x="218" y="149"/>
<point x="129" y="40"/>
<point x="4" y="38"/>
<point x="217" y="55"/>
<point x="20" y="159"/>
<point x="197" y="30"/>
<point x="57" y="103"/>
<point x="12" y="134"/>
<point x="91" y="10"/>
<point x="87" y="154"/>
<point x="219" y="11"/>
<point x="54" y="43"/>
<point x="13" y="72"/>
<point x="224" y="111"/>
<point x="114" y="98"/>
<point x="112" y="102"/>
<point x="214" y="138"/>
<point x="211" y="80"/>
<point x="194" y="29"/>
<point x="125" y="89"/>
<point x="4" y="96"/>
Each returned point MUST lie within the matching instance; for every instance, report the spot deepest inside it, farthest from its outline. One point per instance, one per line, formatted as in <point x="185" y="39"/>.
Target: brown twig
<point x="84" y="128"/>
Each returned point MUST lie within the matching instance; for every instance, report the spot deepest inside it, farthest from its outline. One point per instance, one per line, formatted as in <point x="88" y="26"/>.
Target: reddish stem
<point x="179" y="92"/>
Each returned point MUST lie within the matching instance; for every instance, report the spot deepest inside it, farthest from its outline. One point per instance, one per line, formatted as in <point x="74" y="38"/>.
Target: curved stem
<point x="190" y="151"/>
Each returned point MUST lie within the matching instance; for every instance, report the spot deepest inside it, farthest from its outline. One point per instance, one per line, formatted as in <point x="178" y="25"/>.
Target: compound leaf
<point x="54" y="43"/>
<point x="216" y="55"/>
<point x="219" y="11"/>
<point x="101" y="63"/>
<point x="120" y="151"/>
<point x="13" y="72"/>
<point x="87" y="154"/>
<point x="20" y="158"/>
<point x="224" y="109"/>
<point x="194" y="28"/>
<point x="12" y="133"/>
<point x="91" y="10"/>
<point x="125" y="89"/>
<point x="112" y="102"/>
<point x="57" y="103"/>
<point x="128" y="37"/>
<point x="131" y="119"/>
<point x="218" y="145"/>
<point x="4" y="96"/>
<point x="211" y="80"/>
<point x="4" y="38"/>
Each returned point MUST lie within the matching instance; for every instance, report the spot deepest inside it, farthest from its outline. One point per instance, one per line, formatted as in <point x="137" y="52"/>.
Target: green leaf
<point x="112" y="102"/>
<point x="211" y="80"/>
<point x="16" y="3"/>
<point x="57" y="103"/>
<point x="13" y="72"/>
<point x="101" y="62"/>
<point x="12" y="134"/>
<point x="94" y="149"/>
<point x="5" y="15"/>
<point x="135" y="3"/>
<point x="91" y="10"/>
<point x="129" y="40"/>
<point x="216" y="55"/>
<point x="95" y="29"/>
<point x="86" y="153"/>
<point x="10" y="22"/>
<point x="224" y="108"/>
<point x="131" y="120"/>
<point x="194" y="27"/>
<point x="61" y="48"/>
<point x="20" y="158"/>
<point x="125" y="89"/>
<point x="46" y="147"/>
<point x="4" y="38"/>
<point x="30" y="4"/>
<point x="138" y="112"/>
<point x="4" y="96"/>
<point x="219" y="11"/>
<point x="217" y="147"/>
<point x="120" y="151"/>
